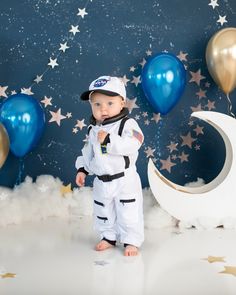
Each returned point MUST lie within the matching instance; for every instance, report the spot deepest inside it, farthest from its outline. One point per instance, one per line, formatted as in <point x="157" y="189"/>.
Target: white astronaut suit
<point x="117" y="191"/>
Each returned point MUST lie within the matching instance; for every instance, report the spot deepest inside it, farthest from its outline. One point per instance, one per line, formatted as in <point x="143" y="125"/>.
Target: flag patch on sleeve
<point x="138" y="136"/>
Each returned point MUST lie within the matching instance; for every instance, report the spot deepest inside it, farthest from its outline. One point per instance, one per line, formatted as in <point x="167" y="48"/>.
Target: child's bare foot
<point x="131" y="250"/>
<point x="103" y="245"/>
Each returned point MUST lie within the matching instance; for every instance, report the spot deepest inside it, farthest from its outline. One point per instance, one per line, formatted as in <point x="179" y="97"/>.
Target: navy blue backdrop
<point x="113" y="38"/>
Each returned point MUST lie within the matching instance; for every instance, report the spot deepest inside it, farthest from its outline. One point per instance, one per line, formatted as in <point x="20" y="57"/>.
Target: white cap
<point x="111" y="86"/>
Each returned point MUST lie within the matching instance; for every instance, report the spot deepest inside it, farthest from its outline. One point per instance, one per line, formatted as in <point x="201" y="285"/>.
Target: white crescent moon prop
<point x="215" y="199"/>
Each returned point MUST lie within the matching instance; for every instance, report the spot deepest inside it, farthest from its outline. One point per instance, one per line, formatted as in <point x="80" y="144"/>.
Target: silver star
<point x="136" y="80"/>
<point x="74" y="29"/>
<point x="222" y="20"/>
<point x="82" y="12"/>
<point x="53" y="63"/>
<point x="63" y="47"/>
<point x="38" y="79"/>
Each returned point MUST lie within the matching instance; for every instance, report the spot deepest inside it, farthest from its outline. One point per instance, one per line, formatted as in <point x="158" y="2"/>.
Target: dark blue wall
<point x="114" y="36"/>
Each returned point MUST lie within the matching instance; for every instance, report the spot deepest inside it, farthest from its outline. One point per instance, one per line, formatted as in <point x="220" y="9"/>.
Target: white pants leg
<point x="118" y="208"/>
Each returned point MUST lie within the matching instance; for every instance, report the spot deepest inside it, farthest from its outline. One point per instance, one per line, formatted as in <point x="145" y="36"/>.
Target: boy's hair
<point x="111" y="86"/>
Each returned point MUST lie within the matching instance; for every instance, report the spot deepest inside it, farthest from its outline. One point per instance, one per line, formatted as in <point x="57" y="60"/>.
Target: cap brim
<point x="85" y="95"/>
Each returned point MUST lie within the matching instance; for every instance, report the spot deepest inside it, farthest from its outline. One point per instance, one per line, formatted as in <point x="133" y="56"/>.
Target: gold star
<point x="196" y="77"/>
<point x="65" y="189"/>
<point x="167" y="164"/>
<point x="183" y="157"/>
<point x="8" y="275"/>
<point x="211" y="105"/>
<point x="187" y="140"/>
<point x="212" y="259"/>
<point x="172" y="147"/>
<point x="201" y="93"/>
<point x="231" y="270"/>
<point x="198" y="130"/>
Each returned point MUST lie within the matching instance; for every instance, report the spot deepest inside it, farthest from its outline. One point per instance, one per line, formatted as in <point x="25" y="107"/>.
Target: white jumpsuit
<point x="118" y="203"/>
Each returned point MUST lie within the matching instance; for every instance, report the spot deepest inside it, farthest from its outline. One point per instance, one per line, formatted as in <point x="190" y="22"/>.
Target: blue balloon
<point x="163" y="81"/>
<point x="24" y="120"/>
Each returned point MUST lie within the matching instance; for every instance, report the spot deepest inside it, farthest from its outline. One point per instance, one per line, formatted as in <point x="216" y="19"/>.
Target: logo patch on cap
<point x="100" y="82"/>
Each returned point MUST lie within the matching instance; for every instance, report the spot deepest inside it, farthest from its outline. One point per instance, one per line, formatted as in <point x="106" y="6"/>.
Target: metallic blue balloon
<point x="24" y="120"/>
<point x="163" y="81"/>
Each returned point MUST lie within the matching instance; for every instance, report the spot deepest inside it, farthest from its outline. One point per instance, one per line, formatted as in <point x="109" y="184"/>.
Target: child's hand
<point x="80" y="178"/>
<point x="101" y="136"/>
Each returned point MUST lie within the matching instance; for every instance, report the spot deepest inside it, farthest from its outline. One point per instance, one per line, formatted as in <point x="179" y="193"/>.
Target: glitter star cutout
<point x="222" y="20"/>
<point x="47" y="101"/>
<point x="53" y="63"/>
<point x="26" y="91"/>
<point x="211" y="105"/>
<point x="82" y="12"/>
<point x="196" y="77"/>
<point x="149" y="152"/>
<point x="74" y="29"/>
<point x="80" y="124"/>
<point x="183" y="157"/>
<point x="57" y="117"/>
<point x="3" y="91"/>
<point x="156" y="117"/>
<point x="212" y="259"/>
<point x="63" y="46"/>
<point x="167" y="164"/>
<point x="213" y="3"/>
<point x="201" y="93"/>
<point x="38" y="79"/>
<point x="199" y="130"/>
<point x="65" y="189"/>
<point x="172" y="147"/>
<point x="230" y="270"/>
<point x="187" y="140"/>
<point x="8" y="275"/>
<point x="136" y="80"/>
<point x="125" y="80"/>
<point x="132" y="69"/>
<point x="182" y="56"/>
<point x="131" y="104"/>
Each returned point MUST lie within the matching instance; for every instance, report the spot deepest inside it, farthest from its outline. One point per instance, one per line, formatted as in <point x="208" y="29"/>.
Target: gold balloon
<point x="4" y="145"/>
<point x="221" y="58"/>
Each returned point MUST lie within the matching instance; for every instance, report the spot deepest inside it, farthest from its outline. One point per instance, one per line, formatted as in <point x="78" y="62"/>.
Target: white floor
<point x="56" y="257"/>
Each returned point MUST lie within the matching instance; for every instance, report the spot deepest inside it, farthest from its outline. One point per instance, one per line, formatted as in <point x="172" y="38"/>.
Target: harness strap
<point x="122" y="124"/>
<point x="107" y="177"/>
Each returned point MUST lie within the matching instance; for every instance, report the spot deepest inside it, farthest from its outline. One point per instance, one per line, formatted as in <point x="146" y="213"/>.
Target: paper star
<point x="231" y="270"/>
<point x="3" y="91"/>
<point x="167" y="164"/>
<point x="68" y="115"/>
<point x="53" y="63"/>
<point x="26" y="91"/>
<point x="80" y="124"/>
<point x="213" y="3"/>
<point x="197" y="147"/>
<point x="172" y="146"/>
<point x="47" y="101"/>
<point x="212" y="259"/>
<point x="125" y="80"/>
<point x="182" y="56"/>
<point x="201" y="93"/>
<point x="174" y="157"/>
<point x="38" y="79"/>
<point x="101" y="262"/>
<point x="146" y="122"/>
<point x="74" y="29"/>
<point x="187" y="140"/>
<point x="156" y="117"/>
<point x="144" y="114"/>
<point x="197" y="108"/>
<point x="132" y="69"/>
<point x="149" y="152"/>
<point x="57" y="117"/>
<point x="137" y="117"/>
<point x="190" y="123"/>
<point x="65" y="189"/>
<point x="198" y="130"/>
<point x="196" y="77"/>
<point x="131" y="104"/>
<point x="222" y="20"/>
<point x="207" y="84"/>
<point x="63" y="46"/>
<point x="183" y="157"/>
<point x="149" y="52"/>
<point x="136" y="80"/>
<point x="8" y="275"/>
<point x="211" y="105"/>
<point x="82" y="12"/>
<point x="75" y="130"/>
<point x="13" y="92"/>
<point x="142" y="63"/>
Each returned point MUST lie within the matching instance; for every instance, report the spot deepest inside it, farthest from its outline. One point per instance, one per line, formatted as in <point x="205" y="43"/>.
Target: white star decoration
<point x="53" y="63"/>
<point x="3" y="91"/>
<point x="74" y="29"/>
<point x="38" y="79"/>
<point x="26" y="91"/>
<point x="136" y="80"/>
<point x="213" y="3"/>
<point x="82" y="12"/>
<point x="63" y="46"/>
<point x="149" y="152"/>
<point x="131" y="104"/>
<point x="57" y="117"/>
<point x="80" y="124"/>
<point x="47" y="101"/>
<point x="222" y="20"/>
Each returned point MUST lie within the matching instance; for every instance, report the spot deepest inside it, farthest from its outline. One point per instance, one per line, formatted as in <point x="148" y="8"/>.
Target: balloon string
<point x="230" y="106"/>
<point x="20" y="172"/>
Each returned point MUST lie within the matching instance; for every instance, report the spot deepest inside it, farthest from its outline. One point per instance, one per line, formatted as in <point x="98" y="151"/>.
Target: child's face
<point x="104" y="106"/>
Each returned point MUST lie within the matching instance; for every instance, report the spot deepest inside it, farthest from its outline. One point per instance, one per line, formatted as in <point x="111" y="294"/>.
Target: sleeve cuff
<point x="82" y="170"/>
